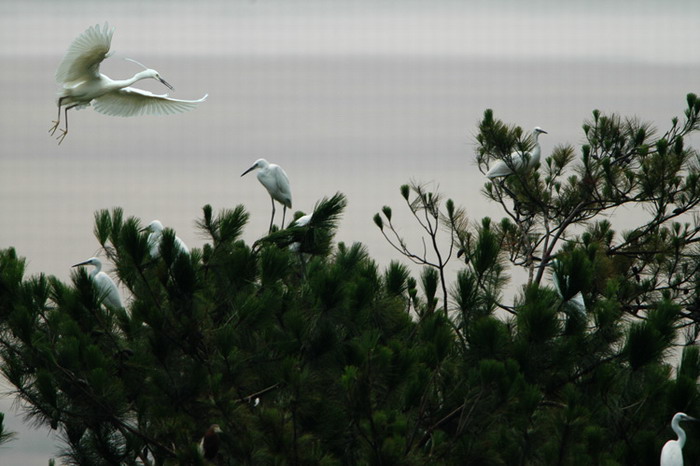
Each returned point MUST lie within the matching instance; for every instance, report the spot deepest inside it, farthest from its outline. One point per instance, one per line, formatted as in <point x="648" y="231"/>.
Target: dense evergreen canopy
<point x="313" y="354"/>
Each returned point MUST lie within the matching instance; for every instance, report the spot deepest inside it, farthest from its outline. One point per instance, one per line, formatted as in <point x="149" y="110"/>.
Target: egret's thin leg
<point x="505" y="188"/>
<point x="272" y="219"/>
<point x="284" y="211"/>
<point x="65" y="118"/>
<point x="57" y="121"/>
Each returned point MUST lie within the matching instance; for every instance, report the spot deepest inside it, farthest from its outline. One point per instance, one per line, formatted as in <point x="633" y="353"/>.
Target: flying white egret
<point x="672" y="452"/>
<point x="276" y="182"/>
<point x="82" y="83"/>
<point x="518" y="159"/>
<point x="156" y="236"/>
<point x="300" y="222"/>
<point x="104" y="284"/>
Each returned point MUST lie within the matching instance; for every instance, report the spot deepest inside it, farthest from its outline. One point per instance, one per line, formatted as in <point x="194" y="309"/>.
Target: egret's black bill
<point x="166" y="83"/>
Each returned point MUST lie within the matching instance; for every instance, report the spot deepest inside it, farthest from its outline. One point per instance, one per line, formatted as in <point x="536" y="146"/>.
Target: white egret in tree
<point x="672" y="452"/>
<point x="276" y="182"/>
<point x="82" y="83"/>
<point x="104" y="284"/>
<point x="518" y="159"/>
<point x="300" y="222"/>
<point x="156" y="236"/>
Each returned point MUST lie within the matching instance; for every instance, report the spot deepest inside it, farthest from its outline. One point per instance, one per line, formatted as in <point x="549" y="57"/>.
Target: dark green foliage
<point x="315" y="237"/>
<point x="306" y="352"/>
<point x="648" y="340"/>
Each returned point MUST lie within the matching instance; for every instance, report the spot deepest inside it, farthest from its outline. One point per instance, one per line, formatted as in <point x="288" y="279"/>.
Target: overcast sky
<point x="648" y="31"/>
<point x="353" y="96"/>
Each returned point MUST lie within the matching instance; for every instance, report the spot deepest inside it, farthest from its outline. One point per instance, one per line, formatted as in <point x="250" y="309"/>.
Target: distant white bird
<point x="156" y="236"/>
<point x="79" y="75"/>
<point x="104" y="284"/>
<point x="300" y="222"/>
<point x="518" y="159"/>
<point x="672" y="452"/>
<point x="276" y="182"/>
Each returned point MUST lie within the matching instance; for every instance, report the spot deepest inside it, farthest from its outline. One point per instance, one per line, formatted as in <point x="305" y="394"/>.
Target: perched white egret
<point x="518" y="159"/>
<point x="300" y="222"/>
<point x="104" y="284"/>
<point x="82" y="83"/>
<point x="156" y="236"/>
<point x="672" y="452"/>
<point x="276" y="182"/>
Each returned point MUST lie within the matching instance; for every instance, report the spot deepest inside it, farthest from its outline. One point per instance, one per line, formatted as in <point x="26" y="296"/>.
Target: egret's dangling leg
<point x="65" y="119"/>
<point x="57" y="121"/>
<point x="272" y="219"/>
<point x="502" y="184"/>
<point x="79" y="76"/>
<point x="284" y="211"/>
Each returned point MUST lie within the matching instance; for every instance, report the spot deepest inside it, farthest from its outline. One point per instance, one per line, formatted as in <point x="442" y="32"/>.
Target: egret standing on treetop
<point x="79" y="75"/>
<point x="156" y="236"/>
<point x="672" y="452"/>
<point x="106" y="287"/>
<point x="518" y="159"/>
<point x="276" y="182"/>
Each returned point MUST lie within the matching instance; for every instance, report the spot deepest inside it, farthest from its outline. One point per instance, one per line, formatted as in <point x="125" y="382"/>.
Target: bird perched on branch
<point x="672" y="452"/>
<point x="104" y="284"/>
<point x="210" y="443"/>
<point x="299" y="222"/>
<point x="275" y="180"/>
<point x="517" y="160"/>
<point x="156" y="236"/>
<point x="82" y="83"/>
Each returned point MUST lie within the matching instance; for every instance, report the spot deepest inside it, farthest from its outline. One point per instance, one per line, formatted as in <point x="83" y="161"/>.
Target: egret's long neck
<point x="536" y="150"/>
<point x="675" y="425"/>
<point x="122" y="83"/>
<point x="96" y="270"/>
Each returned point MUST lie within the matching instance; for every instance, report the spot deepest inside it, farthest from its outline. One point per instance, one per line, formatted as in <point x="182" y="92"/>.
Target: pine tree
<point x="305" y="351"/>
<point x="586" y="345"/>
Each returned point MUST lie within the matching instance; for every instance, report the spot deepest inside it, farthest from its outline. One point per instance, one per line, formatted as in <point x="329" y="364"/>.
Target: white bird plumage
<point x="275" y="180"/>
<point x="672" y="452"/>
<point x="82" y="83"/>
<point x="156" y="236"/>
<point x="300" y="222"/>
<point x="518" y="159"/>
<point x="107" y="289"/>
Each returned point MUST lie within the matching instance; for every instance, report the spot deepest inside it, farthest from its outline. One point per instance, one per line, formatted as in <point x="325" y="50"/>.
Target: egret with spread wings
<point x="82" y="84"/>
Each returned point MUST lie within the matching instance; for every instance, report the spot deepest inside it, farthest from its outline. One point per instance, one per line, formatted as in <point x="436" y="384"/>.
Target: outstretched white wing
<point x="132" y="102"/>
<point x="82" y="61"/>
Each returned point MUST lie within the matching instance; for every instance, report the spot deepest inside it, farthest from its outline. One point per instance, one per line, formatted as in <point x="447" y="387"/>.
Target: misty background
<point x="351" y="96"/>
